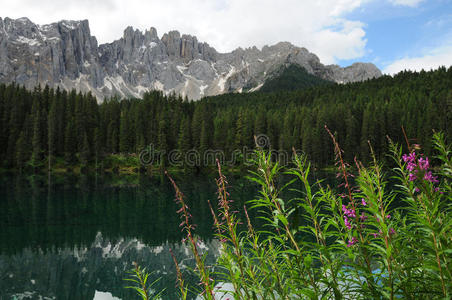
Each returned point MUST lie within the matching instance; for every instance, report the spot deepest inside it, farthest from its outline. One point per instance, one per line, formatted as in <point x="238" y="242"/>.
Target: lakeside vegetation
<point x="69" y="131"/>
<point x="355" y="241"/>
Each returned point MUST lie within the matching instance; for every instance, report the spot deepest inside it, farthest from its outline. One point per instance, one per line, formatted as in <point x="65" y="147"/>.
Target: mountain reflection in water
<point x="74" y="237"/>
<point x="77" y="236"/>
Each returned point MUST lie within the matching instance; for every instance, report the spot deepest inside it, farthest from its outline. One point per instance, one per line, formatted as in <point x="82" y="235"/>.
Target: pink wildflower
<point x="437" y="190"/>
<point x="429" y="177"/>
<point x="423" y="163"/>
<point x="363" y="217"/>
<point x="347" y="223"/>
<point x="352" y="241"/>
<point x="411" y="166"/>
<point x="409" y="158"/>
<point x="348" y="212"/>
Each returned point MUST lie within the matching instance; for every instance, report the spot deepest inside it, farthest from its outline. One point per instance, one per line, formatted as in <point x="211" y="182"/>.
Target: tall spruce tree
<point x="38" y="147"/>
<point x="70" y="143"/>
<point x="85" y="151"/>
<point x="183" y="144"/>
<point x="163" y="142"/>
<point x="124" y="134"/>
<point x="22" y="151"/>
<point x="52" y="132"/>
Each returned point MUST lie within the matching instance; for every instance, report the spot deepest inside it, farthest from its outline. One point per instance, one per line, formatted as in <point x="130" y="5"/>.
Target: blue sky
<point x="398" y="32"/>
<point x="393" y="34"/>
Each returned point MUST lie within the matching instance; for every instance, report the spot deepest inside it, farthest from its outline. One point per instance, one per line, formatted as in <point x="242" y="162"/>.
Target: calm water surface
<point x="76" y="237"/>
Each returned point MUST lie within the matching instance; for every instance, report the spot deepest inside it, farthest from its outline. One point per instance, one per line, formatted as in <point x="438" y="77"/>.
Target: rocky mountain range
<point x="65" y="54"/>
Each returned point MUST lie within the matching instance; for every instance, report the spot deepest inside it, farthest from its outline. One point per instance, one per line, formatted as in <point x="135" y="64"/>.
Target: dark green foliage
<point x="98" y="146"/>
<point x="55" y="123"/>
<point x="85" y="153"/>
<point x="184" y="136"/>
<point x="52" y="131"/>
<point x="70" y="143"/>
<point x="291" y="78"/>
<point x="125" y="134"/>
<point x="38" y="132"/>
<point x="352" y="242"/>
<point x="21" y="152"/>
<point x="139" y="283"/>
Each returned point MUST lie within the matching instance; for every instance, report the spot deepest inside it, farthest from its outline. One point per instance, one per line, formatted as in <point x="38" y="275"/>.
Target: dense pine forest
<point x="291" y="78"/>
<point x="73" y="129"/>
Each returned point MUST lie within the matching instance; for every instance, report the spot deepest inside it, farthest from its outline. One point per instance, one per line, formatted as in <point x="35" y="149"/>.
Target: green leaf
<point x="307" y="261"/>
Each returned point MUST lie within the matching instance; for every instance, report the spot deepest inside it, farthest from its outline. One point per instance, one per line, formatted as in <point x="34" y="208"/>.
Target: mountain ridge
<point x="64" y="54"/>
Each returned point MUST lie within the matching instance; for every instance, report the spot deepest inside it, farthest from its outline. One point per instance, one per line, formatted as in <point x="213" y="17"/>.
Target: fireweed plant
<point x="355" y="241"/>
<point x="139" y="279"/>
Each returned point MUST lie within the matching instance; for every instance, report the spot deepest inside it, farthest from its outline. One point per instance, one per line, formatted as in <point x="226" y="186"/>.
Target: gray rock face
<point x="65" y="54"/>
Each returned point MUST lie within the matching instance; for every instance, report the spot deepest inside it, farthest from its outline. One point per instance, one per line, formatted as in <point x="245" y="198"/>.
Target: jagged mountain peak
<point x="65" y="54"/>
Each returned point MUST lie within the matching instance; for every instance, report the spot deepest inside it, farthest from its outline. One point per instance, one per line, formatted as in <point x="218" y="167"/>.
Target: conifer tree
<point x="162" y="142"/>
<point x="183" y="144"/>
<point x="219" y="133"/>
<point x="366" y="129"/>
<point x="239" y="130"/>
<point x="98" y="146"/>
<point x="22" y="151"/>
<point x="260" y="124"/>
<point x="52" y="132"/>
<point x="38" y="147"/>
<point x="351" y="137"/>
<point x="112" y="137"/>
<point x="204" y="139"/>
<point x="70" y="143"/>
<point x="124" y="134"/>
<point x="85" y="153"/>
<point x="248" y="130"/>
<point x="196" y="126"/>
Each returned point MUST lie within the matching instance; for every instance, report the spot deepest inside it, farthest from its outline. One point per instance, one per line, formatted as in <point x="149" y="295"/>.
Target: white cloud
<point x="347" y="43"/>
<point x="410" y="3"/>
<point x="441" y="56"/>
<point x="320" y="26"/>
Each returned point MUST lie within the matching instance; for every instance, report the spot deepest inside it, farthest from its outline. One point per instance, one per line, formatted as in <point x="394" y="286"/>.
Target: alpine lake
<point x="76" y="237"/>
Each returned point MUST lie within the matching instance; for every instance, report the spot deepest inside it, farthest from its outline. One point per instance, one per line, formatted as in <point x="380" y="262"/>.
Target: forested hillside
<point x="75" y="129"/>
<point x="291" y="78"/>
